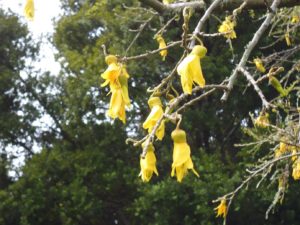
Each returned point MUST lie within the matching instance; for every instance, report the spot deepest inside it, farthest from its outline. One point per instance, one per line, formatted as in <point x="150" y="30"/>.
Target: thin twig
<point x="203" y="20"/>
<point x="265" y="103"/>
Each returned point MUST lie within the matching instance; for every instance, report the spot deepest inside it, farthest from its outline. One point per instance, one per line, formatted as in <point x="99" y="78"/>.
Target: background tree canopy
<point x="84" y="173"/>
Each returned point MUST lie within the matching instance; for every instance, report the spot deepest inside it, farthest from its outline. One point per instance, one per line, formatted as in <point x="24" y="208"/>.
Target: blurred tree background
<point x="84" y="173"/>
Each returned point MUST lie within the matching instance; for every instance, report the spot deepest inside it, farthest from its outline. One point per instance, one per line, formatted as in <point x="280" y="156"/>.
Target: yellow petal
<point x="259" y="65"/>
<point x="181" y="153"/>
<point x="227" y="27"/>
<point x="221" y="209"/>
<point x="160" y="133"/>
<point x="117" y="105"/>
<point x="155" y="115"/>
<point x="29" y="9"/>
<point x="186" y="75"/>
<point x="111" y="74"/>
<point x="162" y="44"/>
<point x="195" y="68"/>
<point x="190" y="71"/>
<point x="148" y="164"/>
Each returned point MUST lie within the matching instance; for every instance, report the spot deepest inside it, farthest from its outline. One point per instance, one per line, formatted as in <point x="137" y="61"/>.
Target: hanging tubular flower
<point x="156" y="113"/>
<point x="181" y="155"/>
<point x="221" y="209"/>
<point x="117" y="77"/>
<point x="190" y="69"/>
<point x="112" y="72"/>
<point x="29" y="9"/>
<point x="262" y="120"/>
<point x="296" y="170"/>
<point x="295" y="19"/>
<point x="227" y="27"/>
<point x="259" y="65"/>
<point x="119" y="96"/>
<point x="148" y="164"/>
<point x="162" y="44"/>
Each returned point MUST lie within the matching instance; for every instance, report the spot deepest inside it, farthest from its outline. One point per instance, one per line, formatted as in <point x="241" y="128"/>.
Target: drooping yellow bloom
<point x="148" y="164"/>
<point x="262" y="120"/>
<point x="190" y="69"/>
<point x="29" y="9"/>
<point x="156" y="114"/>
<point x="296" y="170"/>
<point x="117" y="105"/>
<point x="287" y="39"/>
<point x="295" y="19"/>
<point x="112" y="72"/>
<point x="117" y="76"/>
<point x="227" y="27"/>
<point x="221" y="209"/>
<point x="259" y="65"/>
<point x="162" y="44"/>
<point x="181" y="155"/>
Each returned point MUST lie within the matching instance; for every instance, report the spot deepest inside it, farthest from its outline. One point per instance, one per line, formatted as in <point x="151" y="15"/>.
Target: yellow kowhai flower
<point x="283" y="149"/>
<point x="119" y="96"/>
<point x="227" y="27"/>
<point x="148" y="164"/>
<point x="162" y="44"/>
<point x="190" y="69"/>
<point x="259" y="65"/>
<point x="156" y="114"/>
<point x="295" y="19"/>
<point x="262" y="120"/>
<point x="29" y="9"/>
<point x="112" y="72"/>
<point x="181" y="155"/>
<point x="287" y="39"/>
<point x="221" y="209"/>
<point x="117" y="105"/>
<point x="296" y="170"/>
<point x="116" y="75"/>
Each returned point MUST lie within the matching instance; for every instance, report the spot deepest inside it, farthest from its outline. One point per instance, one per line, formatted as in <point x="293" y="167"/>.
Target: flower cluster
<point x="117" y="77"/>
<point x="190" y="72"/>
<point x="182" y="161"/>
<point x="227" y="27"/>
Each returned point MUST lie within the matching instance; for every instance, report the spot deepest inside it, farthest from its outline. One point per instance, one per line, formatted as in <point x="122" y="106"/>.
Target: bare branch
<point x="265" y="103"/>
<point x="203" y="19"/>
<point x="226" y="5"/>
<point x="250" y="47"/>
